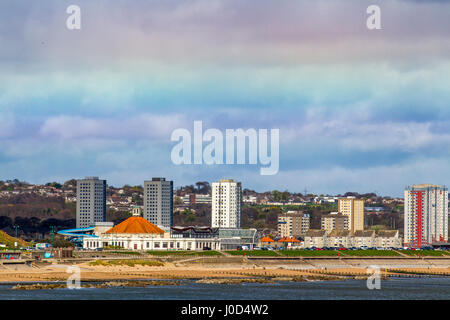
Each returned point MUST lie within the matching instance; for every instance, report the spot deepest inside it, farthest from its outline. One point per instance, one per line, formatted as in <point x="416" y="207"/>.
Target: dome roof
<point x="136" y="225"/>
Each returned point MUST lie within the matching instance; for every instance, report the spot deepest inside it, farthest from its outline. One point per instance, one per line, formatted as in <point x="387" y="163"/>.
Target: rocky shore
<point x="109" y="284"/>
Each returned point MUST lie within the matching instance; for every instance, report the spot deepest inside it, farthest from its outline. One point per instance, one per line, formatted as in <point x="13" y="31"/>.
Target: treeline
<point x="201" y="187"/>
<point x="33" y="228"/>
<point x="34" y="205"/>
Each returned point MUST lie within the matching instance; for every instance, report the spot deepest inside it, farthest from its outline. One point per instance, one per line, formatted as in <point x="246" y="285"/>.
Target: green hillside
<point x="9" y="241"/>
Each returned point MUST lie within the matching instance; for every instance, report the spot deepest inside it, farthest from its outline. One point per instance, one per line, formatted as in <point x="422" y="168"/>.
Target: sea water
<point x="396" y="288"/>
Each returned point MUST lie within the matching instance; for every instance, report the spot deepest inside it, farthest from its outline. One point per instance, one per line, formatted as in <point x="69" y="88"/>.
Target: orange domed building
<point x="136" y="233"/>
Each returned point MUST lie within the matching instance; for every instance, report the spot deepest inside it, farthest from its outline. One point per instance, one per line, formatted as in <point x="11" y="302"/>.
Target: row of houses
<point x="358" y="239"/>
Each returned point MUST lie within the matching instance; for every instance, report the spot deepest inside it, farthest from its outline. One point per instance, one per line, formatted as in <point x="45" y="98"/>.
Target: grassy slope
<point x="307" y="253"/>
<point x="424" y="252"/>
<point x="184" y="253"/>
<point x="9" y="241"/>
<point x="252" y="253"/>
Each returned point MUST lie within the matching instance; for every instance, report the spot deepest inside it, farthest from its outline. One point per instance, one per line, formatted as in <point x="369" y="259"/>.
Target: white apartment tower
<point x="426" y="215"/>
<point x="158" y="202"/>
<point x="226" y="204"/>
<point x="91" y="201"/>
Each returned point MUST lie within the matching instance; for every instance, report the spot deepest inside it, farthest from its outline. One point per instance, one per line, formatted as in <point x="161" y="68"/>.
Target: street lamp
<point x="15" y="242"/>
<point x="52" y="230"/>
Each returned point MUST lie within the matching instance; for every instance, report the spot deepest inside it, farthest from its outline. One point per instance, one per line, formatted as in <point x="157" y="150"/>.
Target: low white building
<point x="364" y="238"/>
<point x="339" y="238"/>
<point x="315" y="238"/>
<point x="388" y="239"/>
<point x="136" y="233"/>
<point x="344" y="238"/>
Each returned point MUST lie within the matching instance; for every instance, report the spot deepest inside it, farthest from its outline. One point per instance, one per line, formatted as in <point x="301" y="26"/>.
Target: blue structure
<point x="77" y="235"/>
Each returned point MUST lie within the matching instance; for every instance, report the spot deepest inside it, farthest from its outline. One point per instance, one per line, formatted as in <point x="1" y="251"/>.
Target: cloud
<point x="141" y="126"/>
<point x="355" y="108"/>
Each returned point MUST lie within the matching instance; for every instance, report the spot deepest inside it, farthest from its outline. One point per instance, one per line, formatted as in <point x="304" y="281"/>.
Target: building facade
<point x="194" y="198"/>
<point x="293" y="224"/>
<point x="354" y="210"/>
<point x="91" y="201"/>
<point x="315" y="238"/>
<point x="425" y="215"/>
<point x="334" y="221"/>
<point x="226" y="204"/>
<point x="158" y="202"/>
<point x="362" y="239"/>
<point x="136" y="233"/>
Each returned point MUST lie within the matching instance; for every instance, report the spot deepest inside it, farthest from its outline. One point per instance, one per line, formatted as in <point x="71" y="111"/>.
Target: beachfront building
<point x="91" y="202"/>
<point x="226" y="204"/>
<point x="315" y="238"/>
<point x="425" y="215"/>
<point x="158" y="202"/>
<point x="136" y="233"/>
<point x="339" y="239"/>
<point x="293" y="224"/>
<point x="233" y="238"/>
<point x="364" y="238"/>
<point x="383" y="239"/>
<point x="334" y="221"/>
<point x="354" y="209"/>
<point x="388" y="239"/>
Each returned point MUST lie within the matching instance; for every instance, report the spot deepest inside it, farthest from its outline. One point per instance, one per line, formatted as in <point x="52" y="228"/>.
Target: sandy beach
<point x="58" y="272"/>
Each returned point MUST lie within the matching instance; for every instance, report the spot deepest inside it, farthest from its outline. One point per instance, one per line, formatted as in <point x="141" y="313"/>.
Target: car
<point x="342" y="248"/>
<point x="99" y="249"/>
<point x="206" y="248"/>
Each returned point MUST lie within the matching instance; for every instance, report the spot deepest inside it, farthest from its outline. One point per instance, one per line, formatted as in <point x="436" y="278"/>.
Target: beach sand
<point x="58" y="272"/>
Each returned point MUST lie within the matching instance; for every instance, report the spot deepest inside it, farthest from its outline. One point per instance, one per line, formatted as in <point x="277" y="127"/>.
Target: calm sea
<point x="405" y="288"/>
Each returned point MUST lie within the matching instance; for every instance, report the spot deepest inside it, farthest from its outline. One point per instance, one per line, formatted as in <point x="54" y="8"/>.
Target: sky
<point x="358" y="110"/>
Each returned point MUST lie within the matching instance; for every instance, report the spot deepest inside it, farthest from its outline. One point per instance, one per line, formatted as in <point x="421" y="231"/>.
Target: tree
<point x="5" y="222"/>
<point x="285" y="195"/>
<point x="71" y="182"/>
<point x="276" y="195"/>
<point x="178" y="201"/>
<point x="203" y="187"/>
